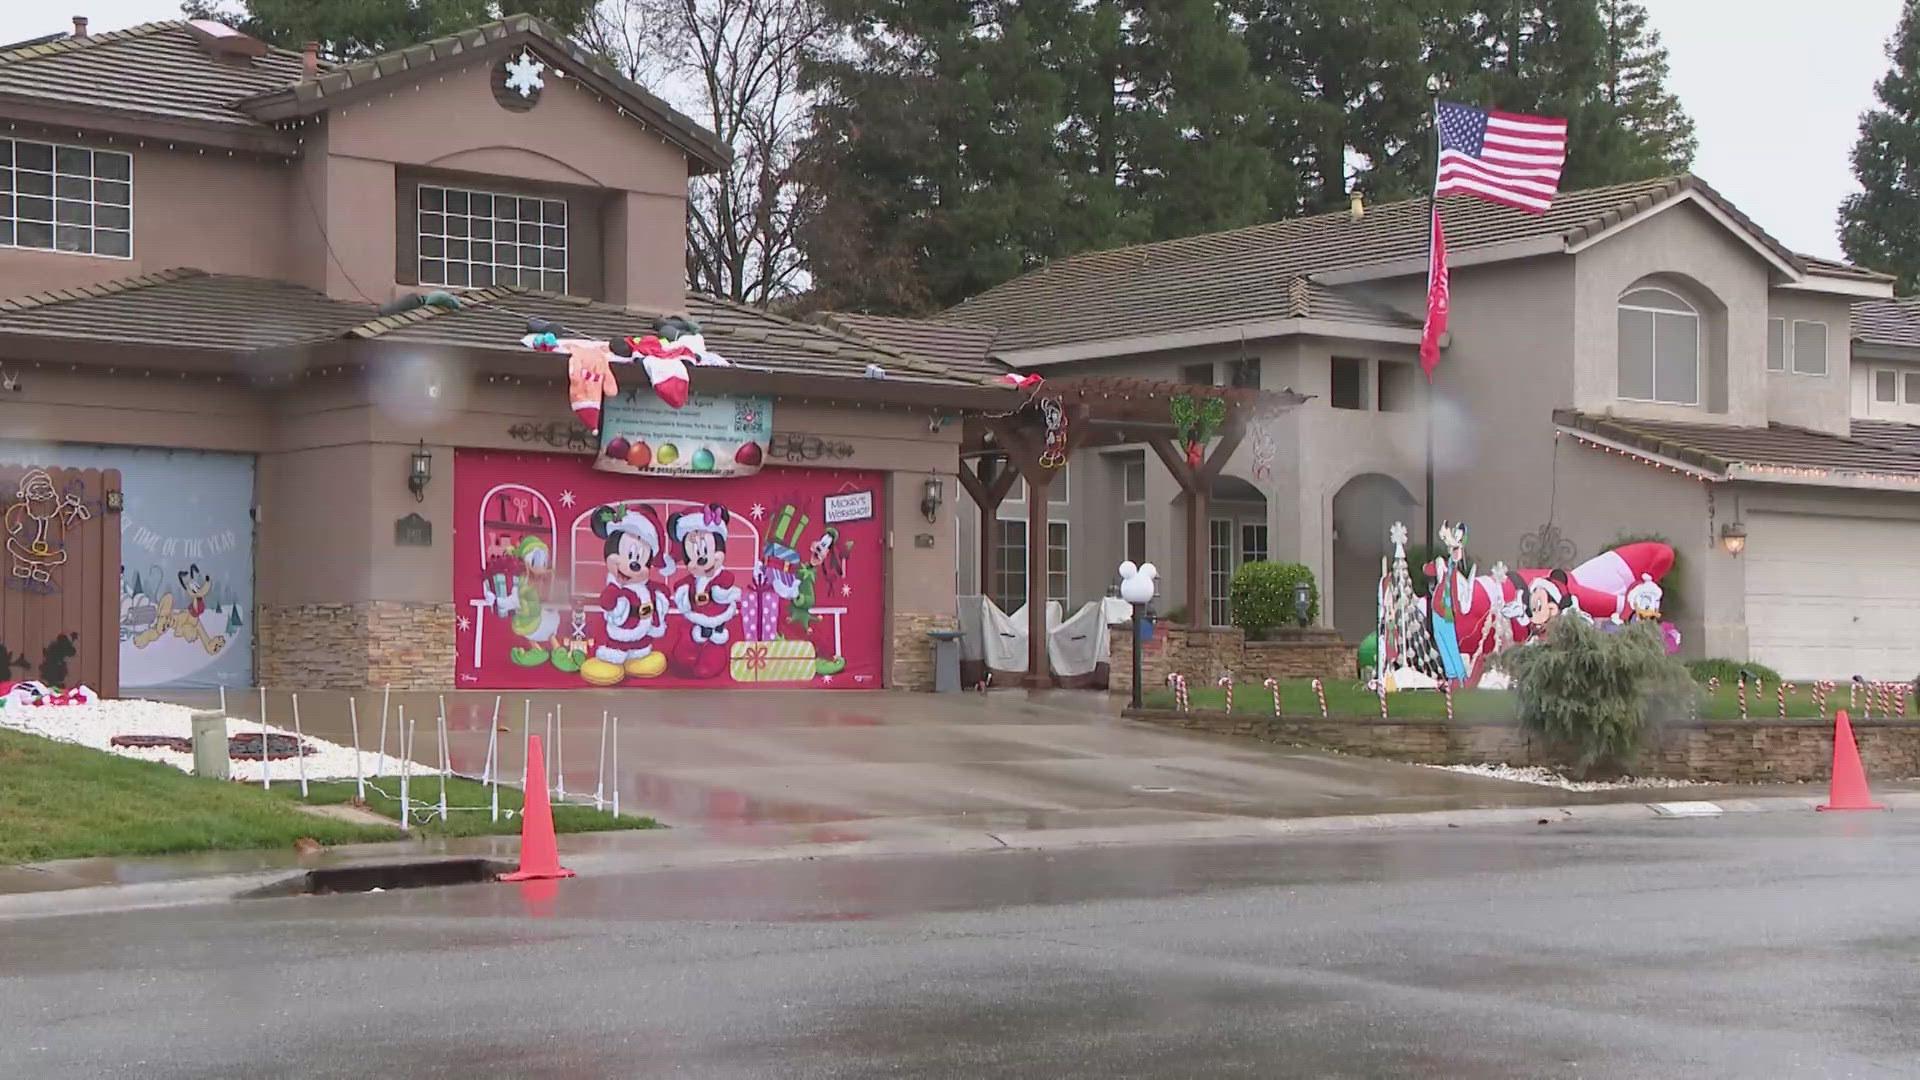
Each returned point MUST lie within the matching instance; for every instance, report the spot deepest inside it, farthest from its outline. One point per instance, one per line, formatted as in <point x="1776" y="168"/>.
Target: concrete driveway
<point x="741" y="760"/>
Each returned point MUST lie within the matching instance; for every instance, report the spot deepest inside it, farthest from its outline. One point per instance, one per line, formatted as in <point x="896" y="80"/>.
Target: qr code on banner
<point x="746" y="415"/>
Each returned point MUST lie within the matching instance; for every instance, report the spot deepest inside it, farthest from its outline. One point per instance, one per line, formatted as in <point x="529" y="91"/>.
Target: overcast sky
<point x="1776" y="88"/>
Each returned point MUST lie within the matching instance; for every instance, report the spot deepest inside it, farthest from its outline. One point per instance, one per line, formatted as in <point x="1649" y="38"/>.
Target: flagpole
<point x="1433" y="114"/>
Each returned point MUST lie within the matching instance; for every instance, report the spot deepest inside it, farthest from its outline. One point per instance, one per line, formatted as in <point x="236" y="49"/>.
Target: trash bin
<point x="210" y="743"/>
<point x="946" y="661"/>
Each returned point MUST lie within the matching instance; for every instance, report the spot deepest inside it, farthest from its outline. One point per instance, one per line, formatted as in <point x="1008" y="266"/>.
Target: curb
<point x="107" y="899"/>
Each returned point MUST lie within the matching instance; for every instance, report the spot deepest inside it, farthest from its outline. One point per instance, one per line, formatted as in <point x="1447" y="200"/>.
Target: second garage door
<point x="1833" y="597"/>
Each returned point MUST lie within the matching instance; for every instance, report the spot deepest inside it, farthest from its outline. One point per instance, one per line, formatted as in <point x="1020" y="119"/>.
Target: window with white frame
<point x="474" y="239"/>
<point x="1886" y="387"/>
<point x="1660" y="334"/>
<point x="1009" y="587"/>
<point x="1220" y="568"/>
<point x="66" y="198"/>
<point x="1057" y="577"/>
<point x="1910" y="386"/>
<point x="1016" y="500"/>
<point x="1776" y="344"/>
<point x="1133" y="480"/>
<point x="1809" y="347"/>
<point x="1253" y="541"/>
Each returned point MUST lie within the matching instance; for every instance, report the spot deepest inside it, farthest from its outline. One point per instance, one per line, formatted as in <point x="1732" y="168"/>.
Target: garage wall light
<point x="419" y="472"/>
<point x="932" y="494"/>
<point x="1733" y="537"/>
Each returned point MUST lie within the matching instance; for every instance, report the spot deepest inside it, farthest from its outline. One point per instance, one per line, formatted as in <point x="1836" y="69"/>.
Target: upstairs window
<point x="1348" y="383"/>
<point x="474" y="239"/>
<point x="1809" y="347"/>
<point x="1776" y="344"/>
<point x="1660" y="337"/>
<point x="1244" y="374"/>
<point x="1197" y="374"/>
<point x="66" y="198"/>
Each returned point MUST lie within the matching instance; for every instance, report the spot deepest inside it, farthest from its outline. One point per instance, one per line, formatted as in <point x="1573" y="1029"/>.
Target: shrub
<point x="1263" y="594"/>
<point x="1728" y="671"/>
<point x="1590" y="692"/>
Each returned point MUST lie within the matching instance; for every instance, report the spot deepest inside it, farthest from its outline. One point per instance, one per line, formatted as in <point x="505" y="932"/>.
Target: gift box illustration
<point x="761" y="603"/>
<point x="780" y="553"/>
<point x="772" y="661"/>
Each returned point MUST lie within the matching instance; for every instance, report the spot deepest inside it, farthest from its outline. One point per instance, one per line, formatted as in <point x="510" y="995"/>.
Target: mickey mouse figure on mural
<point x="706" y="596"/>
<point x="635" y="608"/>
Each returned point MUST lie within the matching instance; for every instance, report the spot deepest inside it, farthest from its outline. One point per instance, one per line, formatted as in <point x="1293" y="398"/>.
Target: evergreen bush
<point x="1597" y="694"/>
<point x="1728" y="671"/>
<point x="1262" y="595"/>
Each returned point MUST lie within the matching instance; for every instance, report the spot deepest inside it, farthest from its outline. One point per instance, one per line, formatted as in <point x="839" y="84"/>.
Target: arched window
<point x="1660" y="335"/>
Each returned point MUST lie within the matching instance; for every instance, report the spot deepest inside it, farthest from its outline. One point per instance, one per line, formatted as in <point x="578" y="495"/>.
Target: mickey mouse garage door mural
<point x="569" y="576"/>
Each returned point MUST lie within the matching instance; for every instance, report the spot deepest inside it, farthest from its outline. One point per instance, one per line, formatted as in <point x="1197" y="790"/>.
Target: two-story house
<point x="201" y="242"/>
<point x="1642" y="360"/>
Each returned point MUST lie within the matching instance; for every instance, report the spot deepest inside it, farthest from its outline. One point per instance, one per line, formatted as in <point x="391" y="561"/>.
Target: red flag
<point x="1439" y="299"/>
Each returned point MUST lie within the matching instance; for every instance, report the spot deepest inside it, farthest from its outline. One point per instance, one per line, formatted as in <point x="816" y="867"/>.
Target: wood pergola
<point x="1099" y="412"/>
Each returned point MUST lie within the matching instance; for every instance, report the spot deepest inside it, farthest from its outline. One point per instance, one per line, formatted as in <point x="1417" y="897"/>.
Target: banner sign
<point x="713" y="435"/>
<point x="567" y="577"/>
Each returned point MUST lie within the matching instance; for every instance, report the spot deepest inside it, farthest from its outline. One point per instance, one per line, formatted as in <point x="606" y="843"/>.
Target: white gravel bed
<point x="96" y="724"/>
<point x="1534" y="774"/>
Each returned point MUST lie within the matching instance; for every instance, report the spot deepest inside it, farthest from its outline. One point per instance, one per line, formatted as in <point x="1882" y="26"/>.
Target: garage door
<point x="1833" y="597"/>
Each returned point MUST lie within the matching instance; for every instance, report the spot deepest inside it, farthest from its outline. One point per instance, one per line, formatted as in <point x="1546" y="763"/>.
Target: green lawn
<point x="383" y="798"/>
<point x="1350" y="699"/>
<point x="60" y="801"/>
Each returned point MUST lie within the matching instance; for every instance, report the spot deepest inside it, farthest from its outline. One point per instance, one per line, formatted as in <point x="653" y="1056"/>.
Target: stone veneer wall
<point x="1203" y="655"/>
<point x="409" y="646"/>
<point x="1722" y="751"/>
<point x="913" y="650"/>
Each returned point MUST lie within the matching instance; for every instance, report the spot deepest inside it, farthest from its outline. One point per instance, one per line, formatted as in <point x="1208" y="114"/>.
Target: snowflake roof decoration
<point x="523" y="75"/>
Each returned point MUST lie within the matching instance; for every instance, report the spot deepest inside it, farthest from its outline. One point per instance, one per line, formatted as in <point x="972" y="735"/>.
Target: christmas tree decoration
<point x="1408" y="659"/>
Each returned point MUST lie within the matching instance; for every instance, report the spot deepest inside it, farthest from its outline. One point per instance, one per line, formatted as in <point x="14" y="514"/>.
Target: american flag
<point x="1502" y="157"/>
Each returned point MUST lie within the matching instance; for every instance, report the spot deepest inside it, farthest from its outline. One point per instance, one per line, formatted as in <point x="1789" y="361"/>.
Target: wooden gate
<point x="60" y="595"/>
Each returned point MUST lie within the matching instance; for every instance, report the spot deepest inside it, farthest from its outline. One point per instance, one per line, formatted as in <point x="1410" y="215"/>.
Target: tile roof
<point x="959" y="345"/>
<point x="184" y="307"/>
<point x="1814" y="264"/>
<point x="191" y="308"/>
<point x="158" y="68"/>
<point x="343" y="81"/>
<point x="1888" y="322"/>
<point x="1716" y="448"/>
<point x="1252" y="274"/>
<point x="1893" y="436"/>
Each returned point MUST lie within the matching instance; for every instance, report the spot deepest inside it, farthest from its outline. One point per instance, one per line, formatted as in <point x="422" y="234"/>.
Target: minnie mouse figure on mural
<point x="635" y="608"/>
<point x="706" y="596"/>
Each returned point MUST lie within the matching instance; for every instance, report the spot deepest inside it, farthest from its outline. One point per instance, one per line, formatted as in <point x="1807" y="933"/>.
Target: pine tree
<point x="1880" y="226"/>
<point x="354" y="29"/>
<point x="1635" y="87"/>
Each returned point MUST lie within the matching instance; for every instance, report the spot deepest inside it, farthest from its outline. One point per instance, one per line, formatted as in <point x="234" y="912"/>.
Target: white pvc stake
<point x="299" y="746"/>
<point x="547" y="762"/>
<point x="526" y="740"/>
<point x="223" y="701"/>
<point x="359" y="774"/>
<point x="559" y="754"/>
<point x="446" y="764"/>
<point x="493" y="766"/>
<point x="406" y="759"/>
<point x="266" y="763"/>
<point x="380" y="763"/>
<point x="616" y="766"/>
<point x="600" y="778"/>
<point x="493" y="755"/>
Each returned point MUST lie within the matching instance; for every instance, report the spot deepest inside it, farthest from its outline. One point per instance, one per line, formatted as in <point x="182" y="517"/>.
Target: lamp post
<point x="1136" y="588"/>
<point x="1302" y="602"/>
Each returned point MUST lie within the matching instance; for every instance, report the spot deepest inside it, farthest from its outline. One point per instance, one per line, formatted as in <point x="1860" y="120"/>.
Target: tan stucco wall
<point x="1860" y="387"/>
<point x="1821" y="402"/>
<point x="1683" y="248"/>
<point x="220" y="213"/>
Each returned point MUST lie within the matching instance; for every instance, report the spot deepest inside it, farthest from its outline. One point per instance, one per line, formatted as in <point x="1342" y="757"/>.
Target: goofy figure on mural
<point x="706" y="596"/>
<point x="634" y="606"/>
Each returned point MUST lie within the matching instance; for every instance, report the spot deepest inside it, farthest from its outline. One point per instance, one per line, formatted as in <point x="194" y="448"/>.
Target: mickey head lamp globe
<point x="1136" y="582"/>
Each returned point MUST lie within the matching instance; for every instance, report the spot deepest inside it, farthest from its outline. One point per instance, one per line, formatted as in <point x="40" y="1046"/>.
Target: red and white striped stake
<point x="1784" y="688"/>
<point x="1320" y="693"/>
<point x="1713" y="684"/>
<point x="1886" y="700"/>
<point x="1446" y="690"/>
<point x="1900" y="699"/>
<point x="1274" y="685"/>
<point x="1226" y="683"/>
<point x="1382" y="685"/>
<point x="1179" y="684"/>
<point x="1820" y="691"/>
<point x="1853" y="697"/>
<point x="1743" y="697"/>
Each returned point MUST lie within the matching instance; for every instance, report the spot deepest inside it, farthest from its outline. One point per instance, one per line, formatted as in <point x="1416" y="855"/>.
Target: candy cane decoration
<point x="1784" y="687"/>
<point x="1446" y="690"/>
<point x="1274" y="685"/>
<point x="1743" y="697"/>
<point x="1713" y="684"/>
<point x="1320" y="692"/>
<point x="1853" y="695"/>
<point x="1900" y="699"/>
<point x="1886" y="700"/>
<point x="1226" y="683"/>
<point x="1820" y="691"/>
<point x="1381" y="685"/>
<point x="1179" y="684"/>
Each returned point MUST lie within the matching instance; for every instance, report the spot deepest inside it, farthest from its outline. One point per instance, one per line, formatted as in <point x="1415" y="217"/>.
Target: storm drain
<point x="383" y="877"/>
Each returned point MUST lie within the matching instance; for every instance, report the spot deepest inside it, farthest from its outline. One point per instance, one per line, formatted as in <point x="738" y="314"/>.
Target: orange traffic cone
<point x="539" y="855"/>
<point x="1849" y="789"/>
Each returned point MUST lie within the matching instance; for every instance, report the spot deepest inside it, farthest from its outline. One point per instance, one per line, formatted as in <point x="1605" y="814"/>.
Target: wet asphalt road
<point x="1759" y="945"/>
